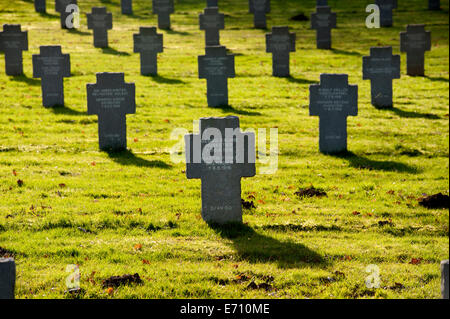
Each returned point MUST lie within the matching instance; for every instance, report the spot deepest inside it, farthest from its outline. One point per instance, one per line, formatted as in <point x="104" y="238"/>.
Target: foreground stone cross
<point x="280" y="43"/>
<point x="216" y="67"/>
<point x="415" y="41"/>
<point x="51" y="66"/>
<point x="386" y="7"/>
<point x="220" y="156"/>
<point x="163" y="8"/>
<point x="12" y="42"/>
<point x="111" y="99"/>
<point x="7" y="278"/>
<point x="39" y="6"/>
<point x="212" y="3"/>
<point x="61" y="6"/>
<point x="148" y="43"/>
<point x="212" y="22"/>
<point x="127" y="6"/>
<point x="323" y="20"/>
<point x="333" y="100"/>
<point x="381" y="67"/>
<point x="100" y="21"/>
<point x="444" y="279"/>
<point x="434" y="4"/>
<point x="259" y="8"/>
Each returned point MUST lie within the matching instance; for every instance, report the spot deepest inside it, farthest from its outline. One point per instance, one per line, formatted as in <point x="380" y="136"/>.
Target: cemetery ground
<point x="65" y="202"/>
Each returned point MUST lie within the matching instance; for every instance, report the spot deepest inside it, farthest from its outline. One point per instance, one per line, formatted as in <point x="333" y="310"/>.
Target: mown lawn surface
<point x="135" y="212"/>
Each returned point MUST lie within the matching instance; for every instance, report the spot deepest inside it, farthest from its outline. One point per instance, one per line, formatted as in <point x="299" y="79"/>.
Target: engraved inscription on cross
<point x="386" y="7"/>
<point x="111" y="99"/>
<point x="12" y="42"/>
<point x="51" y="66"/>
<point x="100" y="21"/>
<point x="212" y="22"/>
<point x="323" y="20"/>
<point x="148" y="43"/>
<point x="259" y="8"/>
<point x="61" y="7"/>
<point x="280" y="43"/>
<point x="415" y="41"/>
<point x="163" y="8"/>
<point x="216" y="67"/>
<point x="220" y="155"/>
<point x="333" y="100"/>
<point x="381" y="67"/>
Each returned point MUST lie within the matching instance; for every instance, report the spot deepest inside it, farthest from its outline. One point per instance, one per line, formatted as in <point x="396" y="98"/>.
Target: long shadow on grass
<point x="258" y="248"/>
<point x="78" y="32"/>
<point x="127" y="158"/>
<point x="48" y="15"/>
<point x="25" y="79"/>
<point x="163" y="80"/>
<point x="436" y="79"/>
<point x="413" y="115"/>
<point x="344" y="52"/>
<point x="231" y="109"/>
<point x="113" y="51"/>
<point x="300" y="81"/>
<point x="361" y="162"/>
<point x="64" y="110"/>
<point x="172" y="31"/>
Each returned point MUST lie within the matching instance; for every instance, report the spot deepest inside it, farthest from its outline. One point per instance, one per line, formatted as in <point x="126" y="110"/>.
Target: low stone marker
<point x="216" y="67"/>
<point x="386" y="7"/>
<point x="381" y="67"/>
<point x="7" y="278"/>
<point x="100" y="21"/>
<point x="39" y="6"/>
<point x="127" y="6"/>
<point x="61" y="6"/>
<point x="323" y="20"/>
<point x="111" y="99"/>
<point x="163" y="8"/>
<point x="434" y="4"/>
<point x="12" y="42"/>
<point x="148" y="43"/>
<point x="415" y="42"/>
<point x="211" y="21"/>
<point x="212" y="3"/>
<point x="220" y="155"/>
<point x="333" y="100"/>
<point x="259" y="8"/>
<point x="51" y="66"/>
<point x="280" y="43"/>
<point x="444" y="279"/>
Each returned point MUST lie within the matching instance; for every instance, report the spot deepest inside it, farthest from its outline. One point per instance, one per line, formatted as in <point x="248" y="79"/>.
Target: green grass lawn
<point x="136" y="212"/>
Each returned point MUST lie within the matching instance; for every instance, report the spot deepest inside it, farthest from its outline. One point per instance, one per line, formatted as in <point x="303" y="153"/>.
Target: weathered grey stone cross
<point x="148" y="43"/>
<point x="280" y="43"/>
<point x="12" y="42"/>
<point x="415" y="42"/>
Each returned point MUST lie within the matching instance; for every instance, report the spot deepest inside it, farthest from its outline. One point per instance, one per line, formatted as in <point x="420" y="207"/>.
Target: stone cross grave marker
<point x="61" y="6"/>
<point x="434" y="4"/>
<point x="415" y="41"/>
<point x="7" y="278"/>
<point x="444" y="279"/>
<point x="100" y="21"/>
<point x="216" y="67"/>
<point x="163" y="8"/>
<point x="220" y="155"/>
<point x="212" y="3"/>
<point x="320" y="3"/>
<point x="280" y="43"/>
<point x="111" y="99"/>
<point x="148" y="43"/>
<point x="333" y="100"/>
<point x="323" y="20"/>
<point x="386" y="7"/>
<point x="259" y="8"/>
<point x="51" y="66"/>
<point x="127" y="6"/>
<point x="381" y="67"/>
<point x="39" y="6"/>
<point x="12" y="42"/>
<point x="212" y="22"/>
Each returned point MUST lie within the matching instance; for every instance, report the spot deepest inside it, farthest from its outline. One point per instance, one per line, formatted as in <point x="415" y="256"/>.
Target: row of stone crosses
<point x="333" y="100"/>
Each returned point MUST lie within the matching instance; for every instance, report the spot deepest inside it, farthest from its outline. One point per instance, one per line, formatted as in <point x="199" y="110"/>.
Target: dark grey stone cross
<point x="39" y="6"/>
<point x="333" y="100"/>
<point x="280" y="43"/>
<point x="415" y="42"/>
<point x="51" y="66"/>
<point x="12" y="42"/>
<point x="7" y="278"/>
<point x="386" y="7"/>
<point x="148" y="43"/>
<point x="111" y="99"/>
<point x="163" y="8"/>
<point x="61" y="7"/>
<point x="216" y="67"/>
<point x="212" y="3"/>
<point x="381" y="67"/>
<point x="212" y="22"/>
<point x="259" y="8"/>
<point x="127" y="6"/>
<point x="323" y="20"/>
<point x="100" y="21"/>
<point x="220" y="155"/>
